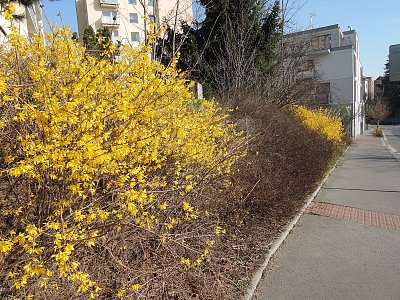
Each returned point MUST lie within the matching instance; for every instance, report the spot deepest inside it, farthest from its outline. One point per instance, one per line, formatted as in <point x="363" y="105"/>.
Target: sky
<point x="377" y="23"/>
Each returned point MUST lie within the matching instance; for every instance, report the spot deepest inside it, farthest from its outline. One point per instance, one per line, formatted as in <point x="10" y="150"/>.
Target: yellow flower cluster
<point x="9" y="9"/>
<point x="91" y="146"/>
<point x="321" y="120"/>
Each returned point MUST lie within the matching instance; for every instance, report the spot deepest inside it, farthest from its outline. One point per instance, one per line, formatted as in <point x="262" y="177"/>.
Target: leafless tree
<point x="378" y="110"/>
<point x="290" y="78"/>
<point x="296" y="79"/>
<point x="235" y="72"/>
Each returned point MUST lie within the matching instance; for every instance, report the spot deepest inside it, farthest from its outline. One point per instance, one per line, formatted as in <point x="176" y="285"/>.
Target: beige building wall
<point x="369" y="86"/>
<point x="168" y="9"/>
<point x="128" y="20"/>
<point x="30" y="25"/>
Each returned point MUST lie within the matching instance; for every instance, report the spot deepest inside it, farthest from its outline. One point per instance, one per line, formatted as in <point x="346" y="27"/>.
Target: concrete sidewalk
<point x="347" y="246"/>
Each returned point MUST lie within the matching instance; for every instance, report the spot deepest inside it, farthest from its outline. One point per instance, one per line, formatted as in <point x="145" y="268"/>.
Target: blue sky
<point x="376" y="22"/>
<point x="67" y="10"/>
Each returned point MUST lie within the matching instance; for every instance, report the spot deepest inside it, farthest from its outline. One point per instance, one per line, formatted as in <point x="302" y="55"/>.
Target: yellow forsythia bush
<point x="91" y="149"/>
<point x="322" y="121"/>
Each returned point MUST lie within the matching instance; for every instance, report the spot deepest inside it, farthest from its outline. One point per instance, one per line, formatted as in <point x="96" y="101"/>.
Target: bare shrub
<point x="284" y="162"/>
<point x="378" y="110"/>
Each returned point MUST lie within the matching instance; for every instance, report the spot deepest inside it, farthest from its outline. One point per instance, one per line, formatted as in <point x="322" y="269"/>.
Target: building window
<point x="135" y="36"/>
<point x="151" y="2"/>
<point x="152" y="18"/>
<point x="324" y="93"/>
<point x="114" y="36"/>
<point x="133" y="2"/>
<point x="110" y="17"/>
<point x="106" y="14"/>
<point x="133" y="18"/>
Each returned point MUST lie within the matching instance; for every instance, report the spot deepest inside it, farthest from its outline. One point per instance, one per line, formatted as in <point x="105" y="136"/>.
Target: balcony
<point x="322" y="51"/>
<point x="322" y="44"/>
<point x="309" y="74"/>
<point x="109" y="3"/>
<point x="110" y="21"/>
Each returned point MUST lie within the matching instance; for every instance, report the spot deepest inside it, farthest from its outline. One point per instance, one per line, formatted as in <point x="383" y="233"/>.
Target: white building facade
<point x="337" y="66"/>
<point x="129" y="20"/>
<point x="31" y="24"/>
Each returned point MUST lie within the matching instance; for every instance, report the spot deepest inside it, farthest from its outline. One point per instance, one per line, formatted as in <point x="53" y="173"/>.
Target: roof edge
<point x="313" y="30"/>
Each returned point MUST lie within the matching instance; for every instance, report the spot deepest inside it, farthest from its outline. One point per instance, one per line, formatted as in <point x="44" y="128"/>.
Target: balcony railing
<point x="309" y="74"/>
<point x="111" y="21"/>
<point x="109" y="3"/>
<point x="322" y="44"/>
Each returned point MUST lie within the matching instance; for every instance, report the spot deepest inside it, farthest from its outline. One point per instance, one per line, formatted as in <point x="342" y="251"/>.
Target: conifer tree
<point x="89" y="38"/>
<point x="97" y="43"/>
<point x="235" y="43"/>
<point x="249" y="27"/>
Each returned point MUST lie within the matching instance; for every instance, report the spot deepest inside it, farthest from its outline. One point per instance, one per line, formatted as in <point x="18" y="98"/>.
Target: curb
<point x="281" y="238"/>
<point x="389" y="147"/>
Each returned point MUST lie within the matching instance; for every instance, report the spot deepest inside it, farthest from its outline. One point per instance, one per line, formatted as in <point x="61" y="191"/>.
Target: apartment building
<point x="31" y="24"/>
<point x="378" y="86"/>
<point x="369" y="87"/>
<point x="128" y="20"/>
<point x="334" y="60"/>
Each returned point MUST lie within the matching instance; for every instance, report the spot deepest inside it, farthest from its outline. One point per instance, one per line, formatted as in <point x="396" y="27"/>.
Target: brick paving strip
<point x="356" y="215"/>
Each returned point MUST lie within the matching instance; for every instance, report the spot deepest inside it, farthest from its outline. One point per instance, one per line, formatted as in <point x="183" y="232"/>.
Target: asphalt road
<point x="392" y="133"/>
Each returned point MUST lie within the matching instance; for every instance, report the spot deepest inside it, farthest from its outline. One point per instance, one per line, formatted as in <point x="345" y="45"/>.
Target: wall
<point x="89" y="13"/>
<point x="336" y="67"/>
<point x="21" y="25"/>
<point x="342" y="67"/>
<point x="31" y="24"/>
<point x="167" y="10"/>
